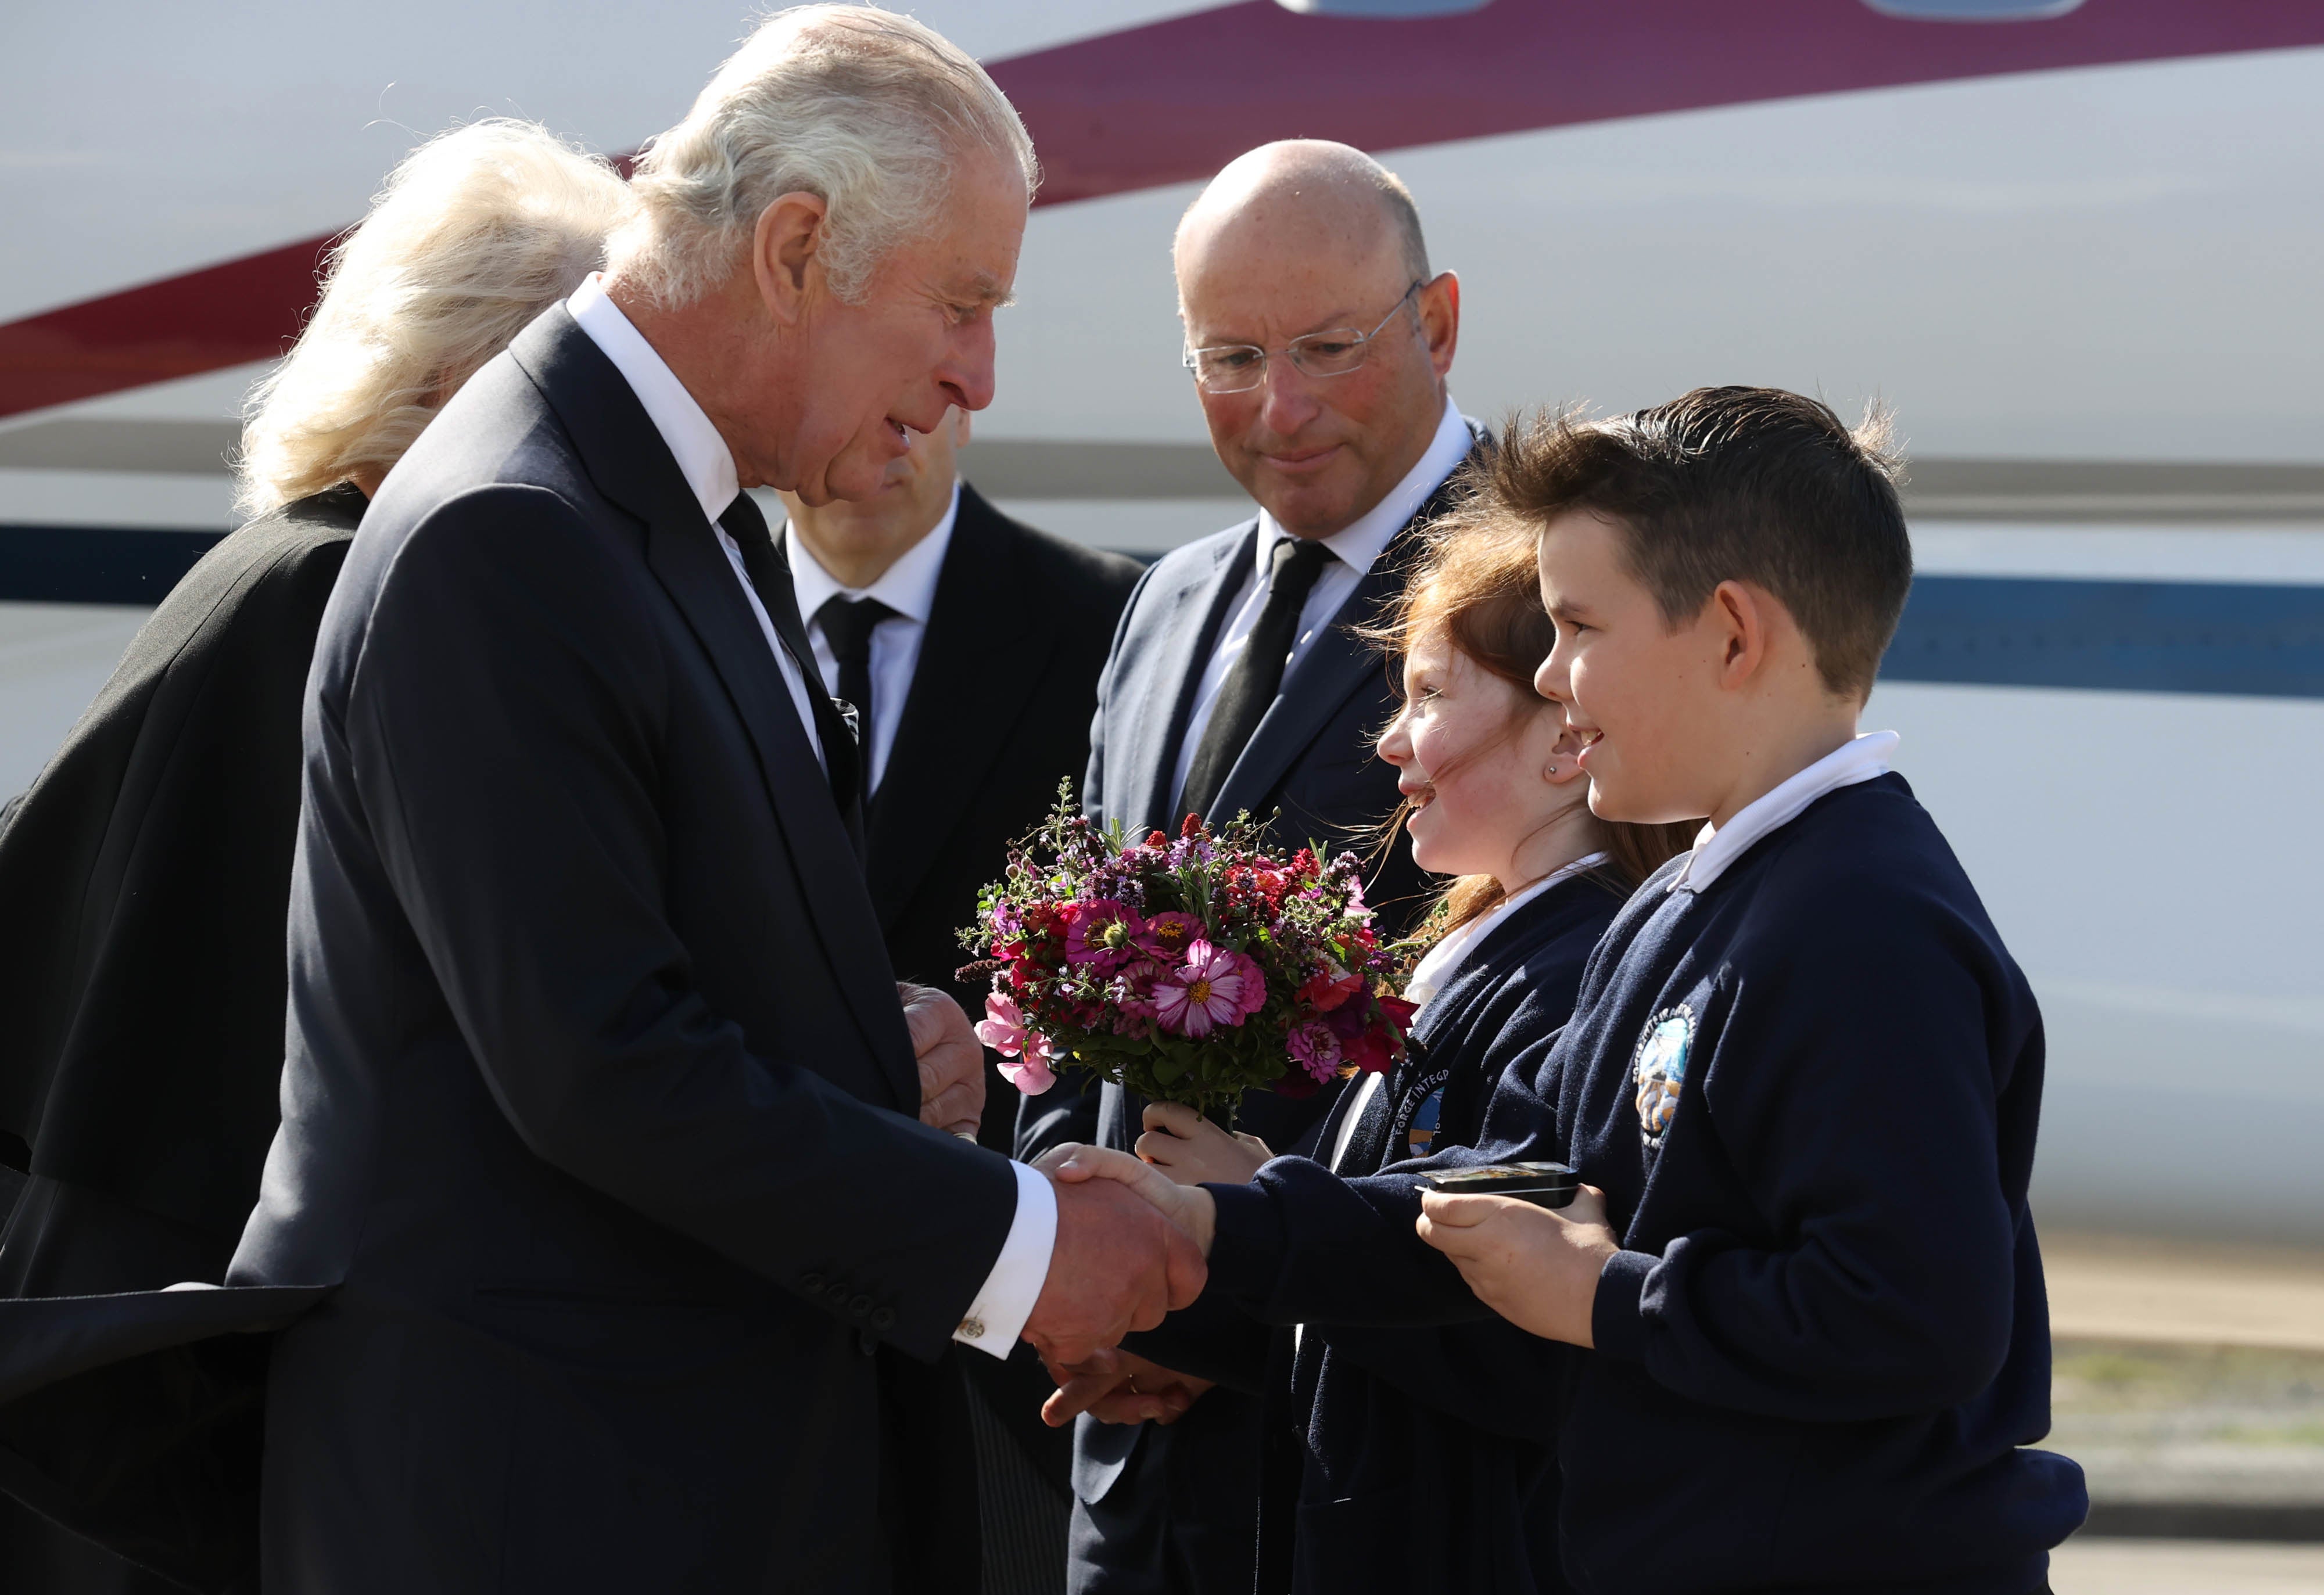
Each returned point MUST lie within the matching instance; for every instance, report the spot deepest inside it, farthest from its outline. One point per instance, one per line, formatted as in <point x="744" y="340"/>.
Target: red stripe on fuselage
<point x="1173" y="101"/>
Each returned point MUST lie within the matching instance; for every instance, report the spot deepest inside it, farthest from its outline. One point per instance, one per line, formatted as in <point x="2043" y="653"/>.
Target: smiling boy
<point x="1802" y="1082"/>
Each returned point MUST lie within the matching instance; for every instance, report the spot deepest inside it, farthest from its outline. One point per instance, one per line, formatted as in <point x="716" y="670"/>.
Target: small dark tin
<point x="1544" y="1184"/>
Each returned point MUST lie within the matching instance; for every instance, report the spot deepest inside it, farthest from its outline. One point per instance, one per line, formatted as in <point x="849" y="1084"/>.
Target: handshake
<point x="1129" y="1243"/>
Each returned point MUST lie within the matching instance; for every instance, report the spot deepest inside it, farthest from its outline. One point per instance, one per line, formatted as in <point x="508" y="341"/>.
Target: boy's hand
<point x="1536" y="1266"/>
<point x="1191" y="1150"/>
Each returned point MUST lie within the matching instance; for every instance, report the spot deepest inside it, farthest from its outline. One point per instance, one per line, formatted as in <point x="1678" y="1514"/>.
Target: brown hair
<point x="1751" y="485"/>
<point x="1477" y="584"/>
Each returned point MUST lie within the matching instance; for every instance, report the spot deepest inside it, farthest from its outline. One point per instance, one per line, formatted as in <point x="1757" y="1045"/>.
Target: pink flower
<point x="1170" y="935"/>
<point x="1002" y="1028"/>
<point x="1031" y="1074"/>
<point x="1315" y="1048"/>
<point x="1131" y="991"/>
<point x="1205" y="991"/>
<point x="1100" y="932"/>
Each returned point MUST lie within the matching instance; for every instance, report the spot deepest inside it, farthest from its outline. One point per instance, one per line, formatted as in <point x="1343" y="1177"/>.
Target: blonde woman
<point x="145" y="876"/>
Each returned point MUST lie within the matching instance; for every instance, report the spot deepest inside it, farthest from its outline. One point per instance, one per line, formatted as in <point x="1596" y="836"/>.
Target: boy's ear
<point x="1739" y="618"/>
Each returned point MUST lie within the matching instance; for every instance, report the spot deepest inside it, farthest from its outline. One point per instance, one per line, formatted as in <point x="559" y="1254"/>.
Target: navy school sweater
<point x="1421" y="1458"/>
<point x="1810" y="1094"/>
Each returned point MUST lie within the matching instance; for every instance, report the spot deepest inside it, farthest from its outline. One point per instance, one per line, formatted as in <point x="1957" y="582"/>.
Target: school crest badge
<point x="1659" y="1067"/>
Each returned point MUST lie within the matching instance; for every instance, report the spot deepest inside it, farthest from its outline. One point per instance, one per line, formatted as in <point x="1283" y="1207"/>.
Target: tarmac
<point x="2189" y="1385"/>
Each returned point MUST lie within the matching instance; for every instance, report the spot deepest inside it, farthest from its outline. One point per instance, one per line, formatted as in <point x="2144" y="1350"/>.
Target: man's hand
<point x="951" y="1060"/>
<point x="1191" y="1150"/>
<point x="1118" y="1265"/>
<point x="1536" y="1266"/>
<point x="1119" y="1386"/>
<point x="1189" y="1207"/>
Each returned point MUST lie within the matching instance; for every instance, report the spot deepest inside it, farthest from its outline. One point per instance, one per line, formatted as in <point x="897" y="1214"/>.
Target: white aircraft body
<point x="2076" y="247"/>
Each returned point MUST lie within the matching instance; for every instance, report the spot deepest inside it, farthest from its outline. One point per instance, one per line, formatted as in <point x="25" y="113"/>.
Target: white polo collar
<point x="909" y="586"/>
<point x="1363" y="539"/>
<point x="1853" y="761"/>
<point x="695" y="442"/>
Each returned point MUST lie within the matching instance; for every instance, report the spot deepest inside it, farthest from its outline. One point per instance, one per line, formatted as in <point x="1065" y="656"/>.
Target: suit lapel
<point x="1333" y="669"/>
<point x="1187" y="623"/>
<point x="625" y="456"/>
<point x="980" y="649"/>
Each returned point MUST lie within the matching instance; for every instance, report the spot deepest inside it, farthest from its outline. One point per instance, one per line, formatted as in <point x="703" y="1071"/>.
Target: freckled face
<point x="1640" y="696"/>
<point x="1469" y="749"/>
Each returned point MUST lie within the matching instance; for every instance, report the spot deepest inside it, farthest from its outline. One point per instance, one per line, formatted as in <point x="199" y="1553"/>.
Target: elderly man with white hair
<point x="601" y="1108"/>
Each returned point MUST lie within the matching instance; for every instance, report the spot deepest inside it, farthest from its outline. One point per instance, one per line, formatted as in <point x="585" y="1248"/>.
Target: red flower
<point x="1190" y="825"/>
<point x="1399" y="1013"/>
<point x="1329" y="987"/>
<point x="1365" y="1042"/>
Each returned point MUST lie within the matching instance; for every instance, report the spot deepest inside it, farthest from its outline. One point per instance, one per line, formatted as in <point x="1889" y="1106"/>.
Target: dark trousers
<point x="1182" y="1517"/>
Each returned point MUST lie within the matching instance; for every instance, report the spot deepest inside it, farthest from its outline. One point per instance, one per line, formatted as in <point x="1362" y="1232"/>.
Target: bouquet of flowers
<point x="1187" y="969"/>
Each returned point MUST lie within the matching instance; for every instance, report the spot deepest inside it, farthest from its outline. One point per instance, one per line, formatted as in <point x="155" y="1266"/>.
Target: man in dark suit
<point x="1319" y="341"/>
<point x="599" y="1103"/>
<point x="968" y="725"/>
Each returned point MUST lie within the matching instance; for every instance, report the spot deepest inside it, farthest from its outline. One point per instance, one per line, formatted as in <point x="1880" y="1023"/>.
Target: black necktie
<point x="1252" y="680"/>
<point x="771" y="579"/>
<point x="847" y="625"/>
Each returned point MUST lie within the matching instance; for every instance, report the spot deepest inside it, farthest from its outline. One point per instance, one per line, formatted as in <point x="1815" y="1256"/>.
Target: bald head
<point x="1313" y="187"/>
<point x="1314" y="241"/>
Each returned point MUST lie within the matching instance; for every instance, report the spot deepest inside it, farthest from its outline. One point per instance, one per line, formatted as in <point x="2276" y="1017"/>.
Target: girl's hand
<point x="1191" y="1150"/>
<point x="1187" y="1206"/>
<point x="1536" y="1266"/>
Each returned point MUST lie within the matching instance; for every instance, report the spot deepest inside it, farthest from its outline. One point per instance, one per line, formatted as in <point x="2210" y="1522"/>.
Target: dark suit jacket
<point x="599" y="1104"/>
<point x="998" y="714"/>
<point x="142" y="884"/>
<point x="1311" y="758"/>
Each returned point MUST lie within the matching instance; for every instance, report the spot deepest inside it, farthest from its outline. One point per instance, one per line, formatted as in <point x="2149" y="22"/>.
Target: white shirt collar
<point x="1365" y="539"/>
<point x="701" y="453"/>
<point x="1858" y="760"/>
<point x="1441" y="962"/>
<point x="909" y="586"/>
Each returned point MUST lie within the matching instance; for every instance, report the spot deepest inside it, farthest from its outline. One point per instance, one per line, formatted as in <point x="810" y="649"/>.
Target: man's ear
<point x="786" y="253"/>
<point x="1440" y="319"/>
<point x="1738" y="616"/>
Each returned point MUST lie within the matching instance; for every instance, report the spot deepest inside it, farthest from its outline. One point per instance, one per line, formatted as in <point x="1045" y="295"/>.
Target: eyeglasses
<point x="1238" y="368"/>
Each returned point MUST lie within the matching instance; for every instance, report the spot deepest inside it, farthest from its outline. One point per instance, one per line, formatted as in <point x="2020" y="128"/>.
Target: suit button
<point x="883" y="1319"/>
<point x="837" y="1291"/>
<point x="859" y="1306"/>
<point x="974" y="1328"/>
<point x="812" y="1284"/>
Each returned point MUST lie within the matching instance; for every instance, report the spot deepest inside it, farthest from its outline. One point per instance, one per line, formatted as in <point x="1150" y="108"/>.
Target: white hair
<point x="865" y="108"/>
<point x="476" y="233"/>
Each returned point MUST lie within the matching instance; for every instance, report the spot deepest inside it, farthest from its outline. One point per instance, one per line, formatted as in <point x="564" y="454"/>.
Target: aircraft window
<point x="1975" y="10"/>
<point x="1386" y="8"/>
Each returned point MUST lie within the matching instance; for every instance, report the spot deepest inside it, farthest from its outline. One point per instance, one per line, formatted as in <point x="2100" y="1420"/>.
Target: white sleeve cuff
<point x="997" y="1316"/>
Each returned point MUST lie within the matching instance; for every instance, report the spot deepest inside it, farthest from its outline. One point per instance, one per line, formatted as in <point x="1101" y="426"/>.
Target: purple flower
<point x="1168" y="935"/>
<point x="1102" y="931"/>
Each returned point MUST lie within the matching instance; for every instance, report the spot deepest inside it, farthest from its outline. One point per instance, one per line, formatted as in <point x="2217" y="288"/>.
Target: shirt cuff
<point x="1005" y="1300"/>
<point x="1618" y="1324"/>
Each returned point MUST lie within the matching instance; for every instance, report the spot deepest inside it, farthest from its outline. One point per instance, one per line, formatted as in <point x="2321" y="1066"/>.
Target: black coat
<point x="1310" y="758"/>
<point x="600" y="1109"/>
<point x="142" y="884"/>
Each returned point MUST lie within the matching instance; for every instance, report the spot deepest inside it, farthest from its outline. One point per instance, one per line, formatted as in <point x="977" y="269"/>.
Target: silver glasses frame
<point x="1192" y="358"/>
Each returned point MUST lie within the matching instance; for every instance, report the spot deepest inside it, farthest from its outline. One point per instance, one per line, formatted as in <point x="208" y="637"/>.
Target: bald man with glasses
<point x="1318" y="341"/>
